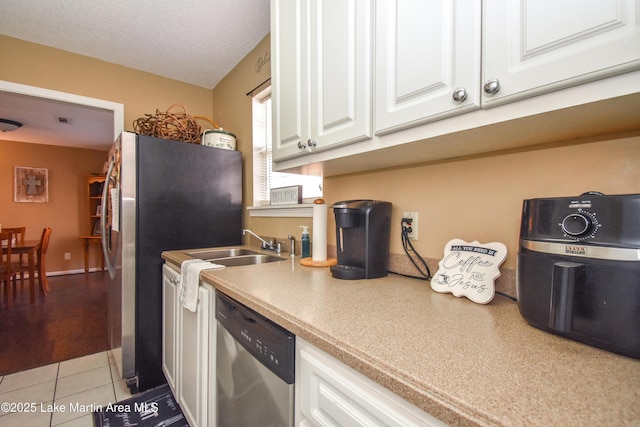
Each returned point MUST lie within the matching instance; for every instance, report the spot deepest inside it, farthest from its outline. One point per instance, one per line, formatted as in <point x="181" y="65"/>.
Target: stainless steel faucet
<point x="271" y="245"/>
<point x="265" y="244"/>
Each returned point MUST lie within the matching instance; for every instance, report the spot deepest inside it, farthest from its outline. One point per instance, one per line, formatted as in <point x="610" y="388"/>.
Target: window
<point x="264" y="178"/>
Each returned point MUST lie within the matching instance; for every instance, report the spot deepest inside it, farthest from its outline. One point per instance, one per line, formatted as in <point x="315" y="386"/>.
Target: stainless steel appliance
<point x="578" y="272"/>
<point x="160" y="195"/>
<point x="255" y="368"/>
<point x="363" y="230"/>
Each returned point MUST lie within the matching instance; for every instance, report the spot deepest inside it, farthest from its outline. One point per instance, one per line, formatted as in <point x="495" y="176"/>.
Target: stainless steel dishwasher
<point x="254" y="368"/>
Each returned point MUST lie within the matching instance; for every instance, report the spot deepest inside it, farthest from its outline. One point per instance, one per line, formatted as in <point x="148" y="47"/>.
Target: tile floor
<point x="61" y="394"/>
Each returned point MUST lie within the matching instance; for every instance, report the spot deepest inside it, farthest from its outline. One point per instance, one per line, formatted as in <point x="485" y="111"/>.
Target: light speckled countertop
<point x="464" y="363"/>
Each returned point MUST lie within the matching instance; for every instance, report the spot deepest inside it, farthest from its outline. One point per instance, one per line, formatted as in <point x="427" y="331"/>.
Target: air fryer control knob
<point x="576" y="224"/>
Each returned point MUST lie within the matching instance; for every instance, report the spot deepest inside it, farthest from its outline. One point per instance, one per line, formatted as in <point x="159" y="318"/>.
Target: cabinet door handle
<point x="491" y="86"/>
<point x="311" y="143"/>
<point x="302" y="145"/>
<point x="459" y="95"/>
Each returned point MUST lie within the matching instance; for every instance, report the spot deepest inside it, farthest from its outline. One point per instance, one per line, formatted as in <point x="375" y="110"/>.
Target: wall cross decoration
<point x="31" y="185"/>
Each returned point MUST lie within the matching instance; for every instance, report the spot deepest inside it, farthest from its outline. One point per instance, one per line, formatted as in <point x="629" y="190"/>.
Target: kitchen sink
<point x="222" y="253"/>
<point x="234" y="257"/>
<point x="239" y="260"/>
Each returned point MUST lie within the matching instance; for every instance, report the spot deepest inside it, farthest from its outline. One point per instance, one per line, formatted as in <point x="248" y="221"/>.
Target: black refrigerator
<point x="159" y="195"/>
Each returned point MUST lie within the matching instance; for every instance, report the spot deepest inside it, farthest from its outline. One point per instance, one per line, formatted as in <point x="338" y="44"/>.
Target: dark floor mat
<point x="155" y="407"/>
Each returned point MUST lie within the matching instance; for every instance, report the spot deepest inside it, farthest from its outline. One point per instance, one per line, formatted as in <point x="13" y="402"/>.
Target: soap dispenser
<point x="306" y="242"/>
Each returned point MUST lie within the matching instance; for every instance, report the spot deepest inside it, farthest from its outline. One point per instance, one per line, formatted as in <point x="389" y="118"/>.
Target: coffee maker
<point x="363" y="229"/>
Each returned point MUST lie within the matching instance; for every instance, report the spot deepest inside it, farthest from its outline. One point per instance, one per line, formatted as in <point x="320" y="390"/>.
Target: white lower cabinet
<point x="329" y="393"/>
<point x="170" y="280"/>
<point x="189" y="354"/>
<point x="194" y="335"/>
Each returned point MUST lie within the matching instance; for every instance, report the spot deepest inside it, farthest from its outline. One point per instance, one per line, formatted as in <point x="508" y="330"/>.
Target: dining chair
<point x="18" y="235"/>
<point x="23" y="267"/>
<point x="18" y="232"/>
<point x="42" y="252"/>
<point x="7" y="271"/>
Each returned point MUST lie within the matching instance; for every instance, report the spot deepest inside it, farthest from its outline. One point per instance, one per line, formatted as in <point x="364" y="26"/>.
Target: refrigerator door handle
<point x="109" y="255"/>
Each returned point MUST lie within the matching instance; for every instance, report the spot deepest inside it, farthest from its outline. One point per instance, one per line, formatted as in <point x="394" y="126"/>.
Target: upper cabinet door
<point x="321" y="74"/>
<point x="427" y="61"/>
<point x="289" y="83"/>
<point x="341" y="53"/>
<point x="537" y="46"/>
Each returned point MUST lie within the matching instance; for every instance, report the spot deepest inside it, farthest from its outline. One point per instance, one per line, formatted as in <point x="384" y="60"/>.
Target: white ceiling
<point x="55" y="122"/>
<point x="194" y="41"/>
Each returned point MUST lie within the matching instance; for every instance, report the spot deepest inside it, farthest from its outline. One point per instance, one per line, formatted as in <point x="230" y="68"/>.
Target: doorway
<point x="69" y="322"/>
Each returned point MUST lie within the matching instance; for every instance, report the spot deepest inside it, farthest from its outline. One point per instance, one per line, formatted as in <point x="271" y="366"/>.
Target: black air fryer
<point x="578" y="271"/>
<point x="363" y="230"/>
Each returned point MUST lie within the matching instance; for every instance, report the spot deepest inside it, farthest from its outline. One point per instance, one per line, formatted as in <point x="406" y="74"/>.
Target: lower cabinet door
<point x="193" y="355"/>
<point x="329" y="393"/>
<point x="170" y="280"/>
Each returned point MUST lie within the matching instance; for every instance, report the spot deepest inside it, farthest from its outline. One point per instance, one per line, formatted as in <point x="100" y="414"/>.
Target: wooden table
<point x="29" y="247"/>
<point x="87" y="241"/>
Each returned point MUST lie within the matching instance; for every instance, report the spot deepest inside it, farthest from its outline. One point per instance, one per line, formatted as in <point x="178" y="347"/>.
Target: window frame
<point x="260" y="205"/>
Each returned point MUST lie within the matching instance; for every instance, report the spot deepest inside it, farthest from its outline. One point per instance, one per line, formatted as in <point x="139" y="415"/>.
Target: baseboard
<point x="63" y="273"/>
<point x="66" y="272"/>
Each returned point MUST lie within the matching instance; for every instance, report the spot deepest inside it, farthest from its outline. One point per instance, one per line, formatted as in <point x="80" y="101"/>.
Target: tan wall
<point x="232" y="108"/>
<point x="471" y="198"/>
<point x="477" y="198"/>
<point x="40" y="66"/>
<point x="67" y="210"/>
<point x="232" y="111"/>
<point x="481" y="198"/>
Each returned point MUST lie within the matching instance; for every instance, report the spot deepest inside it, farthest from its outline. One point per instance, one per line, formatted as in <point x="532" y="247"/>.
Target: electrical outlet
<point x="413" y="216"/>
<point x="67" y="256"/>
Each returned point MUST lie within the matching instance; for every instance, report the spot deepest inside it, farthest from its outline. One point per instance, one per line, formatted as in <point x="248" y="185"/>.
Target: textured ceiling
<point x="194" y="41"/>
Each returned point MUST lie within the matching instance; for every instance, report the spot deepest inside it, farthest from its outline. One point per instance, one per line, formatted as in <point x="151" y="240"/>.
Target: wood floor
<point x="71" y="321"/>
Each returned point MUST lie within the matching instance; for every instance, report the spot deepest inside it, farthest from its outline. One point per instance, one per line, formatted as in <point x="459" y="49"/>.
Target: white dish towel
<point x="190" y="280"/>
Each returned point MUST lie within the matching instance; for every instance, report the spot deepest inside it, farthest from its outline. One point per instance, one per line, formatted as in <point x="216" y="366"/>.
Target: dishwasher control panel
<point x="268" y="342"/>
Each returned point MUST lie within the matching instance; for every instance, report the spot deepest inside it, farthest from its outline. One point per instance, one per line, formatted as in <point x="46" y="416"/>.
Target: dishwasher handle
<point x="247" y="318"/>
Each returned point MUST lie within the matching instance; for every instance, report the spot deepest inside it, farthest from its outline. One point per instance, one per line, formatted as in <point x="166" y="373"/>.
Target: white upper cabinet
<point x="321" y="74"/>
<point x="341" y="71"/>
<point x="289" y="90"/>
<point x="348" y="110"/>
<point x="536" y="46"/>
<point x="427" y="62"/>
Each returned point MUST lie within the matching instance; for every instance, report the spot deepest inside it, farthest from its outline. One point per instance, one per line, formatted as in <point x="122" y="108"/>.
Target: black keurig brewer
<point x="363" y="230"/>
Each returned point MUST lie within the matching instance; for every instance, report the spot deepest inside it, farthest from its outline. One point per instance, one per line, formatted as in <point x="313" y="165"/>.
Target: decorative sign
<point x="286" y="195"/>
<point x="470" y="269"/>
<point x="31" y="185"/>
